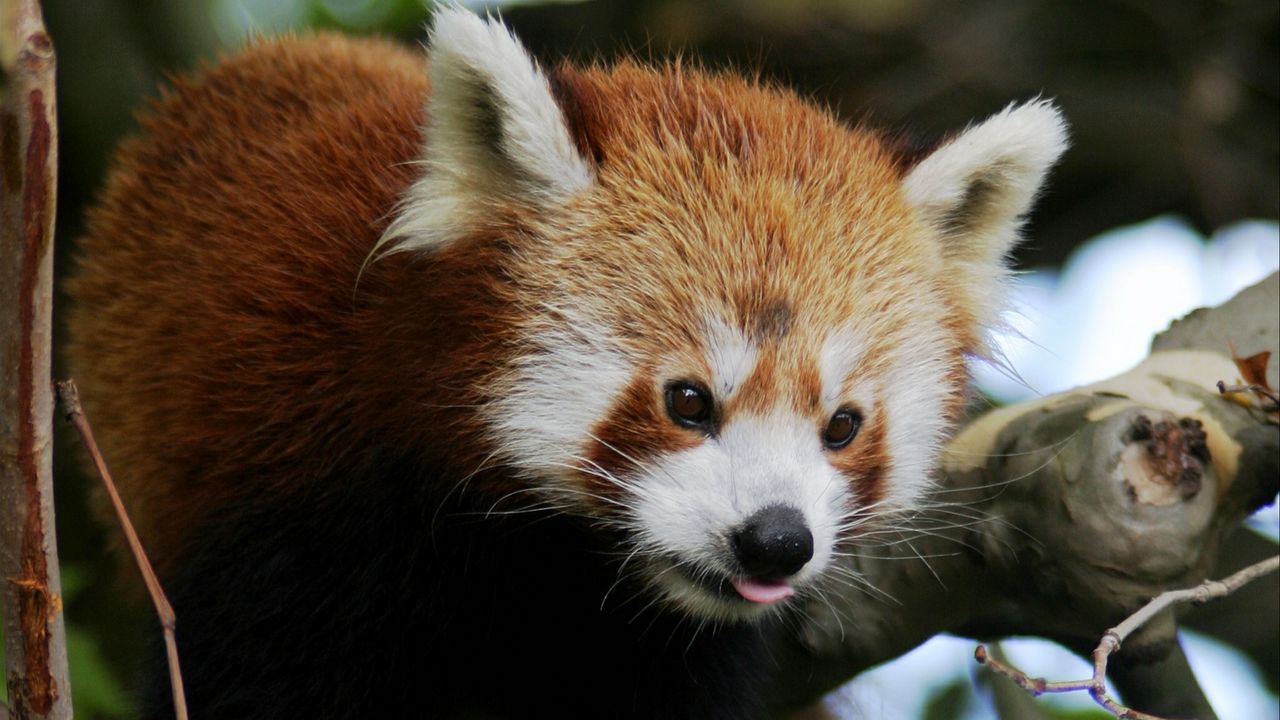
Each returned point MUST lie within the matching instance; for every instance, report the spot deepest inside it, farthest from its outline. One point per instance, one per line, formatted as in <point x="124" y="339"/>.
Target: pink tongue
<point x="762" y="591"/>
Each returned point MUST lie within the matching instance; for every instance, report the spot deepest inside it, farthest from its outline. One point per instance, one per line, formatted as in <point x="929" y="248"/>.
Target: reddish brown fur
<point x="636" y="430"/>
<point x="267" y="353"/>
<point x="281" y="409"/>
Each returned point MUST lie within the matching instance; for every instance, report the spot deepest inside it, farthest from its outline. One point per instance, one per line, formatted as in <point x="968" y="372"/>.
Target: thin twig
<point x="1200" y="594"/>
<point x="1111" y="640"/>
<point x="1260" y="391"/>
<point x="70" y="398"/>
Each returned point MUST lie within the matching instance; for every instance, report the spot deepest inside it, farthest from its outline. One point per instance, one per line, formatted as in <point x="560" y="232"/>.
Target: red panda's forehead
<point x="693" y="132"/>
<point x="718" y="198"/>
<point x="734" y="191"/>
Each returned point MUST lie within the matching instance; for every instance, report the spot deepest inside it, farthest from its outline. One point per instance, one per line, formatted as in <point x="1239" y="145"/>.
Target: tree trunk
<point x="35" y="642"/>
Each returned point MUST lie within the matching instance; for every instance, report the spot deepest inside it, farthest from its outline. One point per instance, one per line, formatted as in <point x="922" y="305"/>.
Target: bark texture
<point x="35" y="644"/>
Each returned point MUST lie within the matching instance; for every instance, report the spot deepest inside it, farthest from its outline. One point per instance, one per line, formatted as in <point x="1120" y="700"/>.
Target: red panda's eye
<point x="688" y="404"/>
<point x="842" y="428"/>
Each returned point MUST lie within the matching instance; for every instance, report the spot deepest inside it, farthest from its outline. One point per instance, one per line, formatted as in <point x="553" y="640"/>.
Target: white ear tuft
<point x="495" y="135"/>
<point x="975" y="189"/>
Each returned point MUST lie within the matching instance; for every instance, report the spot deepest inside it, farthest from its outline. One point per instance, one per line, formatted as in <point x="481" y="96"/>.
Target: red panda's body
<point x="497" y="429"/>
<point x="216" y="329"/>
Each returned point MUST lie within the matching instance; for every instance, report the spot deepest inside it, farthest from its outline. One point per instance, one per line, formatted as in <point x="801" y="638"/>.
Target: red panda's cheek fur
<point x="865" y="463"/>
<point x="635" y="431"/>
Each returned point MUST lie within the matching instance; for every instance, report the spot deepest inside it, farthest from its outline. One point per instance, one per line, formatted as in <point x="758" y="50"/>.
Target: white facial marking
<point x="913" y="392"/>
<point x="692" y="500"/>
<point x="909" y="389"/>
<point x="560" y="388"/>
<point x="841" y="352"/>
<point x="840" y="355"/>
<point x="732" y="356"/>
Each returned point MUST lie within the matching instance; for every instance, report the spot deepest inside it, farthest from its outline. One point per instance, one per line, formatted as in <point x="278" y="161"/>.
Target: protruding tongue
<point x="762" y="591"/>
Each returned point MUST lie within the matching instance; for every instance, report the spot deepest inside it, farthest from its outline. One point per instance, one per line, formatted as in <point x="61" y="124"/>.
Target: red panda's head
<point x="743" y="326"/>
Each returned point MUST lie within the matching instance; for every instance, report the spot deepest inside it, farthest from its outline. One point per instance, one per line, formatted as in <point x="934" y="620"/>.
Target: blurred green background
<point x="1173" y="106"/>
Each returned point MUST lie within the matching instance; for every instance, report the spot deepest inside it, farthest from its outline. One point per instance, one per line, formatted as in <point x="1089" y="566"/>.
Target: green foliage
<point x="387" y="17"/>
<point x="392" y="17"/>
<point x="95" y="690"/>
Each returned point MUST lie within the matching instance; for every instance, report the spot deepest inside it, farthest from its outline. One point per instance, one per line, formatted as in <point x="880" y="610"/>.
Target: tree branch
<point x="1061" y="516"/>
<point x="35" y="641"/>
<point x="1112" y="639"/>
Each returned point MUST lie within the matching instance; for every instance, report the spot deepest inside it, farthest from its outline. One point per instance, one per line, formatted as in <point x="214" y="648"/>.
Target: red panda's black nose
<point x="774" y="543"/>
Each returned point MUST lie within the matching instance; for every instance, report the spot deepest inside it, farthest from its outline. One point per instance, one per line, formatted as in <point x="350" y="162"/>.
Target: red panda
<point x="461" y="387"/>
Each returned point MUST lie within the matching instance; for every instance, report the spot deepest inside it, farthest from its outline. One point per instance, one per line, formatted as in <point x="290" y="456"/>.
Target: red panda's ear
<point x="975" y="189"/>
<point x="495" y="136"/>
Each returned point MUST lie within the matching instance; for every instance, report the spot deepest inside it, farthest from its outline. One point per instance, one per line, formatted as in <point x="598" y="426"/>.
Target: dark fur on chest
<point x="384" y="604"/>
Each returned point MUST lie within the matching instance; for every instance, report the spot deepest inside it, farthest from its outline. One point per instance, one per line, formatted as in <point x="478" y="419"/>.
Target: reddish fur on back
<point x="218" y="325"/>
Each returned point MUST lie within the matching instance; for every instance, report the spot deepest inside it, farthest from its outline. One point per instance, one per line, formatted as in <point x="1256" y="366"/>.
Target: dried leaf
<point x="1254" y="368"/>
<point x="1253" y="372"/>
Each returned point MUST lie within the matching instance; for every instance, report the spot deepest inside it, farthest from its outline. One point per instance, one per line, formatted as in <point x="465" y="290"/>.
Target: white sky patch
<point x="1232" y="683"/>
<point x="1096" y="318"/>
<point x="731" y="355"/>
<point x="902" y="688"/>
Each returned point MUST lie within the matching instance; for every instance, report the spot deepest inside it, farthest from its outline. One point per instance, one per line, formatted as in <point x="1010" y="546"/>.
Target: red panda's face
<point x="739" y="419"/>
<point x="741" y="326"/>
<point x="738" y="470"/>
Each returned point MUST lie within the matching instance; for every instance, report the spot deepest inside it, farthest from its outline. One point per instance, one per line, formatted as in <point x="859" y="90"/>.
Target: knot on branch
<point x="37" y="52"/>
<point x="1170" y="459"/>
<point x="69" y="395"/>
<point x="1110" y="642"/>
<point x="1209" y="590"/>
